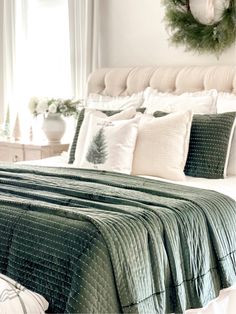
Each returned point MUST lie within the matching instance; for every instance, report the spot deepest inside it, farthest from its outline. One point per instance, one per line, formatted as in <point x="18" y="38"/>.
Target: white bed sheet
<point x="226" y="186"/>
<point x="226" y="302"/>
<point x="56" y="161"/>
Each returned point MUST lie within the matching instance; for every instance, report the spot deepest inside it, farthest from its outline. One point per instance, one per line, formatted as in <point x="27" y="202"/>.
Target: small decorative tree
<point x="7" y="124"/>
<point x="17" y="130"/>
<point x="97" y="152"/>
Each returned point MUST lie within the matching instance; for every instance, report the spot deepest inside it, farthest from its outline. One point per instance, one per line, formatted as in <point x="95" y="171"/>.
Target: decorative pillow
<point x="208" y="92"/>
<point x="109" y="143"/>
<point x="162" y="145"/>
<point x="198" y="102"/>
<point x="226" y="102"/>
<point x="126" y="114"/>
<point x="209" y="147"/>
<point x="15" y="298"/>
<point x="211" y="137"/>
<point x="101" y="102"/>
<point x="72" y="147"/>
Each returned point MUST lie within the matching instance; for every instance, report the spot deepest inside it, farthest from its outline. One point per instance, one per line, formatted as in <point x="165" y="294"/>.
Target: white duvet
<point x="226" y="302"/>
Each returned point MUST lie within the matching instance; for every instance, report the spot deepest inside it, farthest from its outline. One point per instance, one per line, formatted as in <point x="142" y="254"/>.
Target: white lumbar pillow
<point x="198" y="102"/>
<point x="162" y="145"/>
<point x="114" y="103"/>
<point x="227" y="103"/>
<point x="109" y="143"/>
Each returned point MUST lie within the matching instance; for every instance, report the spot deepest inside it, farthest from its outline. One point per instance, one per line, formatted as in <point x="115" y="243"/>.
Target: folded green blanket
<point x="92" y="241"/>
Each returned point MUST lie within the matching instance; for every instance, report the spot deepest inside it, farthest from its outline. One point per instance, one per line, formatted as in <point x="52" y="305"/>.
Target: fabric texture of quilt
<point x="99" y="242"/>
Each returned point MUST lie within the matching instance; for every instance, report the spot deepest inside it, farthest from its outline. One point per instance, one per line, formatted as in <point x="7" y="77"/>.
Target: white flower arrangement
<point x="46" y="106"/>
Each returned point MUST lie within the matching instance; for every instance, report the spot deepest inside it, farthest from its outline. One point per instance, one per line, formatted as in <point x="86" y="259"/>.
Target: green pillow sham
<point x="210" y="140"/>
<point x="75" y="138"/>
<point x="78" y="126"/>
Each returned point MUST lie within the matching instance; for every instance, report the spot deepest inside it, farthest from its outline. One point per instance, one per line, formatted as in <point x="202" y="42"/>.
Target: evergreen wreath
<point x="185" y="29"/>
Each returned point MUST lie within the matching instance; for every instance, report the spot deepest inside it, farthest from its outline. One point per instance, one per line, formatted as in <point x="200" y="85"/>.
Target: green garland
<point x="185" y="29"/>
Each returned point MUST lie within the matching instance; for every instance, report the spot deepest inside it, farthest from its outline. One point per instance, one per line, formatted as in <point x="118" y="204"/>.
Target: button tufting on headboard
<point x="126" y="81"/>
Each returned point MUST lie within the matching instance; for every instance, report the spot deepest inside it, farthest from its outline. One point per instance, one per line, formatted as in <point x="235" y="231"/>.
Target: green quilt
<point x="99" y="242"/>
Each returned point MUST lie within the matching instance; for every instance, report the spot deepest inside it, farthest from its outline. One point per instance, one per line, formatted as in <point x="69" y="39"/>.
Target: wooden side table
<point x="16" y="151"/>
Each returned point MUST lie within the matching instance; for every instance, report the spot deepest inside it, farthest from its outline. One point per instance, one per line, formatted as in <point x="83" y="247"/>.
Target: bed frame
<point x="128" y="80"/>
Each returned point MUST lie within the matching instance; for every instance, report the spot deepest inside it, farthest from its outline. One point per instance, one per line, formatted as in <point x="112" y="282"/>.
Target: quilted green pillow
<point x="78" y="126"/>
<point x="210" y="141"/>
<point x="75" y="138"/>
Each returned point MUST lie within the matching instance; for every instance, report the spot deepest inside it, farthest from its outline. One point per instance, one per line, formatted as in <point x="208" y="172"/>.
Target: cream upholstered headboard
<point x="126" y="81"/>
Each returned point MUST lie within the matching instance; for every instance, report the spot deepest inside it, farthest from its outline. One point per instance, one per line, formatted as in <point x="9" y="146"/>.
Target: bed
<point x="101" y="242"/>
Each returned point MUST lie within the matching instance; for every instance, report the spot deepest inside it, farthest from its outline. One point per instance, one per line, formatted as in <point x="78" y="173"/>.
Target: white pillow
<point x="123" y="115"/>
<point x="109" y="143"/>
<point x="15" y="298"/>
<point x="114" y="103"/>
<point x="226" y="102"/>
<point x="208" y="92"/>
<point x="162" y="145"/>
<point x="199" y="102"/>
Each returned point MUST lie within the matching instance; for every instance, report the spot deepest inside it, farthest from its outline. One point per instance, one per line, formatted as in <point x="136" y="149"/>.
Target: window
<point x="42" y="54"/>
<point x="48" y="48"/>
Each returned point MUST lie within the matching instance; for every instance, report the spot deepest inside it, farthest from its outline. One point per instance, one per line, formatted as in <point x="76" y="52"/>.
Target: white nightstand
<point x="17" y="151"/>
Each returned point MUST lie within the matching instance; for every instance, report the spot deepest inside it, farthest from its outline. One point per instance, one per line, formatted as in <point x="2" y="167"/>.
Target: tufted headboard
<point x="126" y="81"/>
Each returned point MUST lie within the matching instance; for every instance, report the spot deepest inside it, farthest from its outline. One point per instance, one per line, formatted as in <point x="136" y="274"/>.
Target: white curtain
<point x="12" y="48"/>
<point x="20" y="45"/>
<point x="84" y="42"/>
<point x="7" y="55"/>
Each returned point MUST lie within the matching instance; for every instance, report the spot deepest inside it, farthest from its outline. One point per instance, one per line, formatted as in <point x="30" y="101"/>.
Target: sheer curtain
<point x="84" y="42"/>
<point x="7" y="54"/>
<point x="12" y="56"/>
<point x="48" y="48"/>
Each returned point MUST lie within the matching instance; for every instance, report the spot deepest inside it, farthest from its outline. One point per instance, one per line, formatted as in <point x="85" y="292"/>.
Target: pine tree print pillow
<point x="109" y="145"/>
<point x="79" y="141"/>
<point x="123" y="114"/>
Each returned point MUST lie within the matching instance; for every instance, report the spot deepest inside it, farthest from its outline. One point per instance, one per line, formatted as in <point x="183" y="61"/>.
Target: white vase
<point x="54" y="127"/>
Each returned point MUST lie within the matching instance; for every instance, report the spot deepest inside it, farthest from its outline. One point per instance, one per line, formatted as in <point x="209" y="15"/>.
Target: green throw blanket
<point x="99" y="242"/>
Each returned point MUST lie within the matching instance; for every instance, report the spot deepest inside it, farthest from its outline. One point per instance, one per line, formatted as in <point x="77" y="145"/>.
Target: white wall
<point x="133" y="33"/>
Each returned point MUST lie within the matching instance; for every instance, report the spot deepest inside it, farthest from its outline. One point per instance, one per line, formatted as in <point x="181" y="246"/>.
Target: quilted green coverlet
<point x="100" y="242"/>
